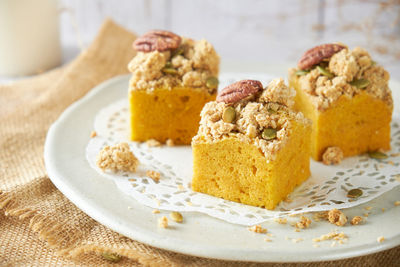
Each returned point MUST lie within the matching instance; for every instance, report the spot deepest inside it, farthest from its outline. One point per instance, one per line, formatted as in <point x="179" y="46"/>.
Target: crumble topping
<point x="153" y="175"/>
<point x="356" y="220"/>
<point x="345" y="67"/>
<point x="189" y="65"/>
<point x="117" y="158"/>
<point x="332" y="156"/>
<point x="337" y="217"/>
<point x="257" y="229"/>
<point x="269" y="109"/>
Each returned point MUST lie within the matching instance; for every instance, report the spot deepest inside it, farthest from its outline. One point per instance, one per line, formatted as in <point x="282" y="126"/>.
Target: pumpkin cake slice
<point x="346" y="95"/>
<point x="172" y="78"/>
<point x="251" y="147"/>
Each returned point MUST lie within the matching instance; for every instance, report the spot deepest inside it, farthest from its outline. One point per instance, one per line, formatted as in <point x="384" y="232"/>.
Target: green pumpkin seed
<point x="212" y="82"/>
<point x="377" y="155"/>
<point x="179" y="51"/>
<point x="113" y="257"/>
<point x="168" y="64"/>
<point x="354" y="193"/>
<point x="361" y="83"/>
<point x="269" y="133"/>
<point x="324" y="72"/>
<point x="373" y="62"/>
<point x="301" y="72"/>
<point x="167" y="70"/>
<point x="229" y="115"/>
<point x="272" y="111"/>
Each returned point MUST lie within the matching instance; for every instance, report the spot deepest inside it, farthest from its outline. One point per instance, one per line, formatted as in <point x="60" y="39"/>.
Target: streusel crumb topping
<point x="349" y="72"/>
<point x="250" y="117"/>
<point x="117" y="158"/>
<point x="189" y="65"/>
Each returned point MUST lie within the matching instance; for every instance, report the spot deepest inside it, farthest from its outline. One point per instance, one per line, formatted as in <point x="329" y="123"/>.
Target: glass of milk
<point x="29" y="37"/>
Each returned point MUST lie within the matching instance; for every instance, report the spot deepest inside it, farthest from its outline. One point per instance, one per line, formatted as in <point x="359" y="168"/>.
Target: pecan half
<point x="238" y="91"/>
<point x="316" y="54"/>
<point x="157" y="40"/>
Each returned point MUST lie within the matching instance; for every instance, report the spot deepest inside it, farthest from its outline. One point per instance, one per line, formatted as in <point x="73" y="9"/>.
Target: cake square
<point x="172" y="78"/>
<point x="346" y="95"/>
<point x="251" y="147"/>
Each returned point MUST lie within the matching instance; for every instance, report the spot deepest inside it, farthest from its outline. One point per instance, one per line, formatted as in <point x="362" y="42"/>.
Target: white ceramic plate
<point x="199" y="234"/>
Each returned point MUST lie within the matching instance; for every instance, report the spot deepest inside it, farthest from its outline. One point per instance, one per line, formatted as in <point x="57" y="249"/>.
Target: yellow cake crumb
<point x="163" y="222"/>
<point x="397" y="203"/>
<point x="153" y="175"/>
<point x="155" y="211"/>
<point x="257" y="229"/>
<point x="380" y="239"/>
<point x="332" y="156"/>
<point x="267" y="239"/>
<point x="356" y="220"/>
<point x="117" y="158"/>
<point x="337" y="217"/>
<point x="93" y="134"/>
<point x="303" y="223"/>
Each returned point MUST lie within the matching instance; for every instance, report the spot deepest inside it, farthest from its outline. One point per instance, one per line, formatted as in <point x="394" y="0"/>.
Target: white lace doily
<point x="326" y="189"/>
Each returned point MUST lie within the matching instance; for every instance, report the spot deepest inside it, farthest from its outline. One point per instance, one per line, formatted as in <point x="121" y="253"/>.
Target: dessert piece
<point x="172" y="78"/>
<point x="251" y="147"/>
<point x="346" y="95"/>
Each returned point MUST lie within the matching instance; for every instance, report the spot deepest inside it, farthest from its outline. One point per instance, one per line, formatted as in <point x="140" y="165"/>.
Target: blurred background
<point x="251" y="35"/>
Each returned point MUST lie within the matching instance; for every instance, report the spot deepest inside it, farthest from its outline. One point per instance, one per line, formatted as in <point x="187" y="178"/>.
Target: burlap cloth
<point x="38" y="225"/>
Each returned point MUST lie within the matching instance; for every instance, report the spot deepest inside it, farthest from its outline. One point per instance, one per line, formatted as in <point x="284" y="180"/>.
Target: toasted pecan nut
<point x="238" y="91"/>
<point x="316" y="54"/>
<point x="157" y="40"/>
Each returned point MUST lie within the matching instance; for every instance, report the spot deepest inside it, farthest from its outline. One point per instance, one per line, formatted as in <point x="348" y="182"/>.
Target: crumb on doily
<point x="155" y="211"/>
<point x="163" y="222"/>
<point x="380" y="239"/>
<point x="257" y="229"/>
<point x="337" y="217"/>
<point x="322" y="215"/>
<point x="303" y="223"/>
<point x="153" y="143"/>
<point x="356" y="220"/>
<point x="117" y="158"/>
<point x="93" y="134"/>
<point x="170" y="142"/>
<point x="153" y="175"/>
<point x="333" y="155"/>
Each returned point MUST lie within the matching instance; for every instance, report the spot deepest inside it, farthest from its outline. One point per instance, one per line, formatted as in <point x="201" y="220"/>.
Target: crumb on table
<point x="356" y="220"/>
<point x="93" y="134"/>
<point x="257" y="229"/>
<point x="155" y="211"/>
<point x="163" y="222"/>
<point x="380" y="239"/>
<point x="337" y="217"/>
<point x="281" y="220"/>
<point x="117" y="158"/>
<point x="303" y="223"/>
<point x="170" y="142"/>
<point x="153" y="143"/>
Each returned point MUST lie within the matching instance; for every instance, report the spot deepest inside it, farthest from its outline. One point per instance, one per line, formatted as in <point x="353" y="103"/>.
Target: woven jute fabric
<point x="41" y="227"/>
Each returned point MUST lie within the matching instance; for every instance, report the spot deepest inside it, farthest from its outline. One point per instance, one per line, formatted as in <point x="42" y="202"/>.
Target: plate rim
<point x="187" y="248"/>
